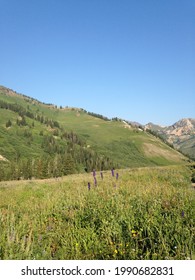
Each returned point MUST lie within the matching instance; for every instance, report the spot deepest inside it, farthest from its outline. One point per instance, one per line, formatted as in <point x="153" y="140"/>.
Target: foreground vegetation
<point x="137" y="214"/>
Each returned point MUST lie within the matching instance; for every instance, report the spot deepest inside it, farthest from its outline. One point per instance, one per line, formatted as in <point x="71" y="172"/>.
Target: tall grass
<point x="145" y="214"/>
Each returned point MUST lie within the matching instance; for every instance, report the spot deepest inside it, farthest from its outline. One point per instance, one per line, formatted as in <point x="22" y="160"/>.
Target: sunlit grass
<point x="145" y="214"/>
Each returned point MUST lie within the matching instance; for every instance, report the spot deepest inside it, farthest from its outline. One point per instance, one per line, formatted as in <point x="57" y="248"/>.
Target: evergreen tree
<point x="8" y="123"/>
<point x="13" y="171"/>
<point x="69" y="165"/>
<point x="2" y="172"/>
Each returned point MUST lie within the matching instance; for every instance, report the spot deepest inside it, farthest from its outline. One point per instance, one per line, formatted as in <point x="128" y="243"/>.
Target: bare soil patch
<point x="152" y="150"/>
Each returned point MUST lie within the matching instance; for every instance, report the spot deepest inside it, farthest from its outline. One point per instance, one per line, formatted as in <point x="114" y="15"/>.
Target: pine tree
<point x="69" y="165"/>
<point x="2" y="173"/>
<point x="8" y="123"/>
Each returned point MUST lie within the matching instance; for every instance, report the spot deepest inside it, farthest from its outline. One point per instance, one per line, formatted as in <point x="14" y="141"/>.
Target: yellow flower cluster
<point x="134" y="233"/>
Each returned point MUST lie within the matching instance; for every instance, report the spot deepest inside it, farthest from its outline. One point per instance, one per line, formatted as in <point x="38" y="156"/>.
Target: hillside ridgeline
<point x="39" y="140"/>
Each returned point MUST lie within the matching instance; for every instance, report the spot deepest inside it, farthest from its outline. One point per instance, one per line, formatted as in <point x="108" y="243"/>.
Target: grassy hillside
<point x="188" y="146"/>
<point x="147" y="213"/>
<point x="31" y="130"/>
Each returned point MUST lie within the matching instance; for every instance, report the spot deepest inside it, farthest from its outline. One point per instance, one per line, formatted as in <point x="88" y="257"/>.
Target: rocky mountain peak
<point x="185" y="123"/>
<point x="182" y="127"/>
<point x="181" y="135"/>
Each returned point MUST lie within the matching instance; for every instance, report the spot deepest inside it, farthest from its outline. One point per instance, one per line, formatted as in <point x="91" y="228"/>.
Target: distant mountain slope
<point x="181" y="135"/>
<point x="44" y="140"/>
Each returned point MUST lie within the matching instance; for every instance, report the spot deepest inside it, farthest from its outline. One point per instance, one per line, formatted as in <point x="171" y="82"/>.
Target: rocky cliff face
<point x="181" y="135"/>
<point x="182" y="128"/>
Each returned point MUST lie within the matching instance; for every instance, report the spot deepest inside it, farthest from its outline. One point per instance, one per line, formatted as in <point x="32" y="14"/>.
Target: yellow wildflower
<point x="134" y="233"/>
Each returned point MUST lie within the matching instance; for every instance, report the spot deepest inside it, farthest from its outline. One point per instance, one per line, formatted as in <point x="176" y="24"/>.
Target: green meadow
<point x="124" y="145"/>
<point x="145" y="214"/>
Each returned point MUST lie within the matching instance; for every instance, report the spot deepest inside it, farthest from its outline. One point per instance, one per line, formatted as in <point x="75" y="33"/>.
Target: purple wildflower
<point x="89" y="186"/>
<point x="112" y="171"/>
<point x="182" y="214"/>
<point x="117" y="176"/>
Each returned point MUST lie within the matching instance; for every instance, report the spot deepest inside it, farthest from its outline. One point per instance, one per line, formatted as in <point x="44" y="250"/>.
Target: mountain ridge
<point x="49" y="140"/>
<point x="181" y="135"/>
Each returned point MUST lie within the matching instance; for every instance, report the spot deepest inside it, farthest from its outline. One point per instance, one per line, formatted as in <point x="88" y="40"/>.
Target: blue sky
<point x="132" y="59"/>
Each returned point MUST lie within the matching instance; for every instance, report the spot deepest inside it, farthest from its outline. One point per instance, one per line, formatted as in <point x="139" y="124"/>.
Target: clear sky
<point x="132" y="59"/>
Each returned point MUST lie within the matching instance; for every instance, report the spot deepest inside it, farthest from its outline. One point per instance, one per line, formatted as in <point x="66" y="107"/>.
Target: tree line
<point x="22" y="112"/>
<point x="63" y="152"/>
<point x="53" y="166"/>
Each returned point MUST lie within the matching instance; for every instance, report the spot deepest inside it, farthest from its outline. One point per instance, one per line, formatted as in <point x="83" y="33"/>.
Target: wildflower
<point x="117" y="176"/>
<point x="115" y="251"/>
<point x="182" y="213"/>
<point x="112" y="171"/>
<point x="134" y="233"/>
<point x="89" y="186"/>
<point x="101" y="174"/>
